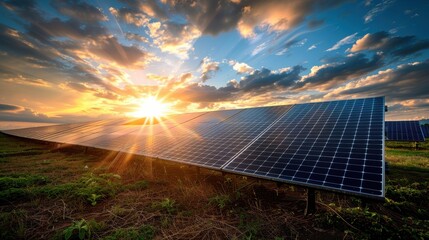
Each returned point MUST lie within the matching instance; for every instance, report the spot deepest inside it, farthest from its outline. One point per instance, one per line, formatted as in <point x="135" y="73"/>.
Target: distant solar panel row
<point x="404" y="131"/>
<point x="334" y="145"/>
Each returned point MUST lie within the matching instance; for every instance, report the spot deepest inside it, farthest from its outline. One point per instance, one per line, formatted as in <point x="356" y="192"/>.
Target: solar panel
<point x="331" y="145"/>
<point x="404" y="131"/>
<point x="425" y="130"/>
<point x="219" y="144"/>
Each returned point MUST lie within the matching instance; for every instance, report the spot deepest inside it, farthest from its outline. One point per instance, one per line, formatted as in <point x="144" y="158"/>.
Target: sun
<point x="150" y="107"/>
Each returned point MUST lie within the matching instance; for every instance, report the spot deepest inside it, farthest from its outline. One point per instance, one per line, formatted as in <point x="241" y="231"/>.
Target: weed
<point x="20" y="181"/>
<point x="138" y="186"/>
<point x="221" y="201"/>
<point x="365" y="224"/>
<point x="118" y="210"/>
<point x="90" y="187"/>
<point x="167" y="205"/>
<point x="78" y="230"/>
<point x="14" y="195"/>
<point x="12" y="224"/>
<point x="250" y="226"/>
<point x="145" y="232"/>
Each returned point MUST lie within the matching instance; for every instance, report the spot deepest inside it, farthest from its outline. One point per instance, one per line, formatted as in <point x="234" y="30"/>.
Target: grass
<point x="49" y="193"/>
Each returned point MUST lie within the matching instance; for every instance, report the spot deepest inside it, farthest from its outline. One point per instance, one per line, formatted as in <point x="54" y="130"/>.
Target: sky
<point x="71" y="61"/>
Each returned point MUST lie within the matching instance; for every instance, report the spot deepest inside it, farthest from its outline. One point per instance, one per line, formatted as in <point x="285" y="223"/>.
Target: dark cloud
<point x="214" y="17"/>
<point x="8" y="108"/>
<point x="110" y="49"/>
<point x="25" y="8"/>
<point x="329" y="75"/>
<point x="257" y="83"/>
<point x="315" y="23"/>
<point x="152" y="8"/>
<point x="130" y="16"/>
<point x="79" y="10"/>
<point x="211" y="17"/>
<point x="265" y="80"/>
<point x="22" y="114"/>
<point x="412" y="48"/>
<point x="18" y="45"/>
<point x="397" y="46"/>
<point x="406" y="82"/>
<point x="203" y="93"/>
<point x="45" y="30"/>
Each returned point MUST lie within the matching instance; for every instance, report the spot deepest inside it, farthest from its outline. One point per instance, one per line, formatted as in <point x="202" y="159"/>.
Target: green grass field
<point x="48" y="193"/>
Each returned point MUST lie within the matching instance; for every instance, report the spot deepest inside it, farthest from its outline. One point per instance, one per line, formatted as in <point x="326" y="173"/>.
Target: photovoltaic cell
<point x="425" y="130"/>
<point x="404" y="131"/>
<point x="335" y="145"/>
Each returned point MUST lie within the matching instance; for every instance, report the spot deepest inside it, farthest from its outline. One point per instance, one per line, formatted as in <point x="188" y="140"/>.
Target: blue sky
<point x="65" y="60"/>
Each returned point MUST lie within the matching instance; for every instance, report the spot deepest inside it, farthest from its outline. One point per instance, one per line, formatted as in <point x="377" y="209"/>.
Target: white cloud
<point x="241" y="67"/>
<point x="207" y="68"/>
<point x="347" y="40"/>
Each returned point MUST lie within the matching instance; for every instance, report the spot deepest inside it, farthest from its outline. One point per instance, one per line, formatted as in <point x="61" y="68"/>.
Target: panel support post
<point x="85" y="150"/>
<point x="310" y="208"/>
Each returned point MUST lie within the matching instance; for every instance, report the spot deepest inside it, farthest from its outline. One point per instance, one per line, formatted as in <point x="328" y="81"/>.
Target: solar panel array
<point x="337" y="145"/>
<point x="425" y="130"/>
<point x="404" y="131"/>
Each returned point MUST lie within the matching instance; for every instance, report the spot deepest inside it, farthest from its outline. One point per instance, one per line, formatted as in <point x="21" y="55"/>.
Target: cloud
<point x="312" y="47"/>
<point x="208" y="68"/>
<point x="20" y="79"/>
<point x="329" y="75"/>
<point x="380" y="7"/>
<point x="291" y="43"/>
<point x="241" y="67"/>
<point x="200" y="93"/>
<point x="397" y="46"/>
<point x="406" y="82"/>
<point x="130" y="16"/>
<point x="10" y="108"/>
<point x="347" y="40"/>
<point x="136" y="37"/>
<point x="111" y="50"/>
<point x="18" y="113"/>
<point x="173" y="37"/>
<point x="278" y="15"/>
<point x="258" y="83"/>
<point x="78" y="10"/>
<point x="153" y="8"/>
<point x="15" y="44"/>
<point x="315" y="23"/>
<point x="265" y="79"/>
<point x="209" y="17"/>
<point x="214" y="17"/>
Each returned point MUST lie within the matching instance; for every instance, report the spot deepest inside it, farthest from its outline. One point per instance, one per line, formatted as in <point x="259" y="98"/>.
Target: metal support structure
<point x="310" y="208"/>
